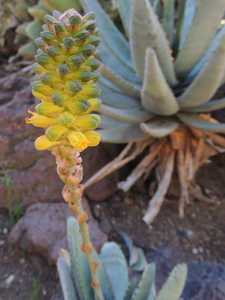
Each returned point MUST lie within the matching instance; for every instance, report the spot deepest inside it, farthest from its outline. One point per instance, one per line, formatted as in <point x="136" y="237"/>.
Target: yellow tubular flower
<point x="66" y="83"/>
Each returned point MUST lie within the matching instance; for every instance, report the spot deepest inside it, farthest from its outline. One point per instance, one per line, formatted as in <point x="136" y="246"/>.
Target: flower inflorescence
<point x="65" y="83"/>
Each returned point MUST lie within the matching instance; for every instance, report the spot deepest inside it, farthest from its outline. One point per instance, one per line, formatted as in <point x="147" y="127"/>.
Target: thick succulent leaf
<point x="204" y="60"/>
<point x="114" y="98"/>
<point x="146" y="286"/>
<point x="124" y="8"/>
<point x="169" y="19"/>
<point x="115" y="266"/>
<point x="194" y="120"/>
<point x="209" y="106"/>
<point x="33" y="29"/>
<point x="134" y="115"/>
<point x="207" y="81"/>
<point x="204" y="25"/>
<point x="79" y="265"/>
<point x="146" y="32"/>
<point x="111" y="61"/>
<point x="174" y="285"/>
<point x="160" y="127"/>
<point x="128" y="88"/>
<point x="66" y="281"/>
<point x="108" y="123"/>
<point x="157" y="96"/>
<point x="110" y="34"/>
<point x="122" y="134"/>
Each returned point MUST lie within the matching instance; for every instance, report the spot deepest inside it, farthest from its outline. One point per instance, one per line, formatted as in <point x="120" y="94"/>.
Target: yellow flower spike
<point x="78" y="140"/>
<point x="48" y="109"/>
<point x="78" y="107"/>
<point x="40" y="121"/>
<point x="66" y="119"/>
<point x="94" y="104"/>
<point x="55" y="132"/>
<point x="87" y="122"/>
<point x="43" y="143"/>
<point x="93" y="138"/>
<point x="41" y="97"/>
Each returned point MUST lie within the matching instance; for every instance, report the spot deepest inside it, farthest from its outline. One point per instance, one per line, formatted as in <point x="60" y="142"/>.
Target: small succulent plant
<point x="113" y="273"/>
<point x="159" y="81"/>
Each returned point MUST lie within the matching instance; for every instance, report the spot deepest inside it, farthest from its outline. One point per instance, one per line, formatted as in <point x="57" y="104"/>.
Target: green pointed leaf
<point x="79" y="265"/>
<point x="33" y="29"/>
<point x="169" y="20"/>
<point x="174" y="285"/>
<point x="135" y="115"/>
<point x="122" y="134"/>
<point x="207" y="82"/>
<point x="204" y="25"/>
<point x="110" y="34"/>
<point x="124" y="8"/>
<point x="115" y="99"/>
<point x="146" y="32"/>
<point x="115" y="266"/>
<point x="146" y="286"/>
<point x="194" y="120"/>
<point x="160" y="127"/>
<point x="111" y="61"/>
<point x="66" y="281"/>
<point x="128" y="88"/>
<point x="157" y="96"/>
<point x="208" y="107"/>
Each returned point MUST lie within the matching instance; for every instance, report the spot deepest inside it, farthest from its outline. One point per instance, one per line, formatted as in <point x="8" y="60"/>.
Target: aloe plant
<point x="75" y="277"/>
<point x="159" y="83"/>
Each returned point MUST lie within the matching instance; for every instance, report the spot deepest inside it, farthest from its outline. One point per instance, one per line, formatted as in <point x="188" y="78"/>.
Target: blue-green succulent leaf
<point x="125" y="86"/>
<point x="79" y="265"/>
<point x="147" y="32"/>
<point x="201" y="31"/>
<point x="124" y="8"/>
<point x="207" y="81"/>
<point x="115" y="266"/>
<point x="110" y="34"/>
<point x="123" y="134"/>
<point x="169" y="19"/>
<point x="157" y="96"/>
<point x="66" y="281"/>
<point x="209" y="106"/>
<point x="114" y="98"/>
<point x="173" y="287"/>
<point x="146" y="286"/>
<point x="159" y="127"/>
<point x="194" y="120"/>
<point x="133" y="115"/>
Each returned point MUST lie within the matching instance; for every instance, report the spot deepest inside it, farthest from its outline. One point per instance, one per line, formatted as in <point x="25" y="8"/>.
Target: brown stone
<point x="42" y="230"/>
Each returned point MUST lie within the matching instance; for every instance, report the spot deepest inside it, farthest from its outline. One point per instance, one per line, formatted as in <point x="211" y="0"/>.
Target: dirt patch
<point x="199" y="236"/>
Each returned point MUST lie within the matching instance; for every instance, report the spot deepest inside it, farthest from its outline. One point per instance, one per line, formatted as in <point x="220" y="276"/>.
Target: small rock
<point x="48" y="236"/>
<point x="195" y="251"/>
<point x="9" y="280"/>
<point x="2" y="243"/>
<point x="22" y="261"/>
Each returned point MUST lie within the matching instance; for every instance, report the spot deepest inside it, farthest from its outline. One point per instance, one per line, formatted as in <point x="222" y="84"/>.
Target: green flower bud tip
<point x="74" y="86"/>
<point x="42" y="58"/>
<point x="53" y="51"/>
<point x="58" y="99"/>
<point x="88" y="50"/>
<point x="47" y="35"/>
<point x="59" y="28"/>
<point x="79" y="107"/>
<point x="94" y="40"/>
<point x="82" y="35"/>
<point x="89" y="16"/>
<point x="50" y="19"/>
<point x="90" y="25"/>
<point x="93" y="63"/>
<point x="68" y="42"/>
<point x="77" y="60"/>
<point x="66" y="119"/>
<point x="75" y="20"/>
<point x="87" y="76"/>
<point x="63" y="69"/>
